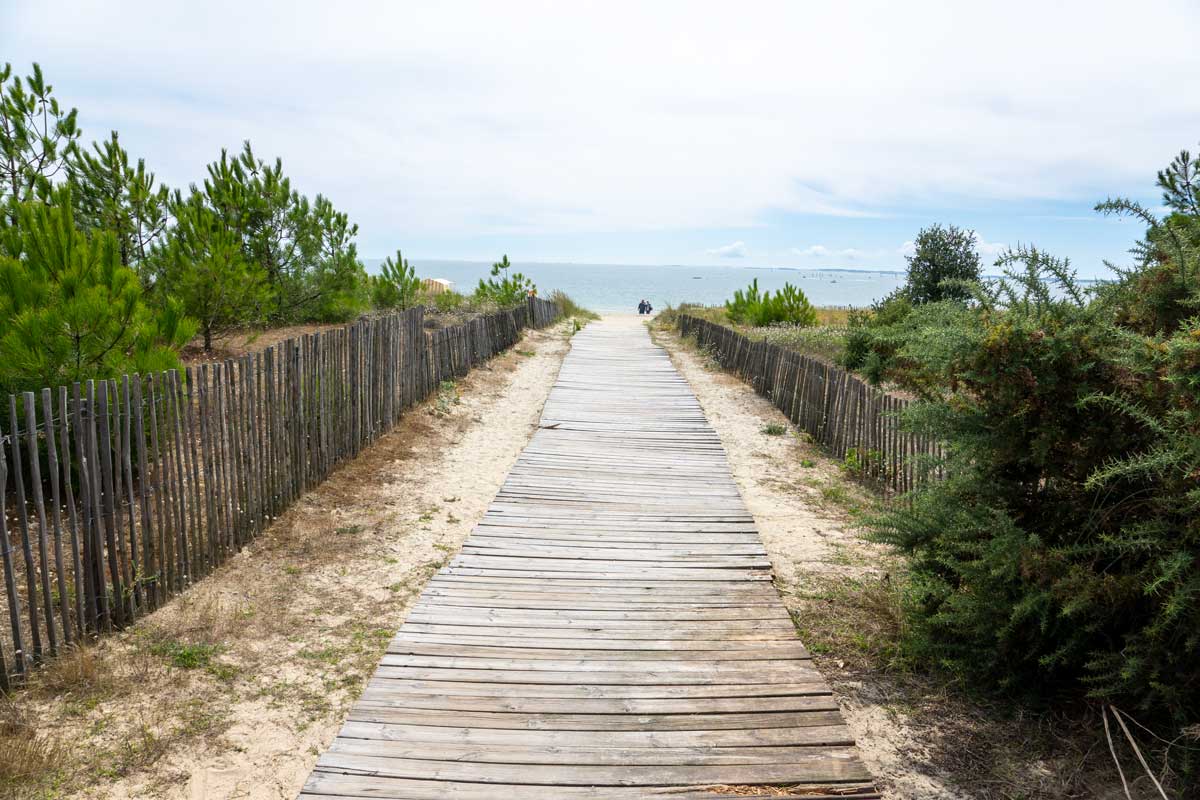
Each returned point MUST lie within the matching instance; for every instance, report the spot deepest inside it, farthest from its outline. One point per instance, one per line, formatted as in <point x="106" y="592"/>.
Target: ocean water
<point x="613" y="287"/>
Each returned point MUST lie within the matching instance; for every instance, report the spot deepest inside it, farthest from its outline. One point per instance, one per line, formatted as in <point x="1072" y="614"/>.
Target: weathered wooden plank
<point x="610" y="622"/>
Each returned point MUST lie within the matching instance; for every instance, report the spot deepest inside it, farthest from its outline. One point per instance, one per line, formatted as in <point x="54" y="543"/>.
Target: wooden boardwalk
<point x="610" y="629"/>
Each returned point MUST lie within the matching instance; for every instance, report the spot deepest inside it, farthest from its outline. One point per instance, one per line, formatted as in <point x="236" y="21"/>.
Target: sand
<point x="289" y="630"/>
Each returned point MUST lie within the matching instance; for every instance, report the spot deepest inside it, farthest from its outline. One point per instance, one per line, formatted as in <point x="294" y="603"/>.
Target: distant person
<point x="642" y="307"/>
<point x="649" y="308"/>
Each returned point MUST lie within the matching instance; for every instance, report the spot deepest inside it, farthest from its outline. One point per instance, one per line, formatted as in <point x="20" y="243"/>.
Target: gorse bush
<point x="1063" y="549"/>
<point x="942" y="270"/>
<point x="788" y="306"/>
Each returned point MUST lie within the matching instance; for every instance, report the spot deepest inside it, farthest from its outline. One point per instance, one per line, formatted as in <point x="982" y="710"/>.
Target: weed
<point x="807" y="463"/>
<point x="349" y="530"/>
<point x="184" y="655"/>
<point x="774" y="429"/>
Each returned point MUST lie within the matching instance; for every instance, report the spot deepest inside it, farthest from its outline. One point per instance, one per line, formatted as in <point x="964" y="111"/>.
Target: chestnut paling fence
<point x="844" y="414"/>
<point x="117" y="494"/>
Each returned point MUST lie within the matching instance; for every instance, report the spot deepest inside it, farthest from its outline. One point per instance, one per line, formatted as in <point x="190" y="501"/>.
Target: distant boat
<point x="697" y="278"/>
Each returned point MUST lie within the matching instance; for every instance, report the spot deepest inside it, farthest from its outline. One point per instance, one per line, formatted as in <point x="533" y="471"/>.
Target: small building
<point x="436" y="285"/>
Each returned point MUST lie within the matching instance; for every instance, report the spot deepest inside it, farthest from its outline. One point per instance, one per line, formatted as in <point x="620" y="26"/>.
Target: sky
<point x="801" y="134"/>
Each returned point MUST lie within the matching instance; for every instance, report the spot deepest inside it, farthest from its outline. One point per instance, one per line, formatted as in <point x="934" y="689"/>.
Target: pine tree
<point x="304" y="252"/>
<point x="69" y="310"/>
<point x="504" y="288"/>
<point x="111" y="195"/>
<point x="204" y="265"/>
<point x="37" y="136"/>
<point x="397" y="286"/>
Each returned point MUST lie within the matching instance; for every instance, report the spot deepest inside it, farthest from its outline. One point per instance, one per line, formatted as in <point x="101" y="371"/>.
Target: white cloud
<point x="987" y="248"/>
<point x="467" y="118"/>
<point x="735" y="250"/>
<point x="984" y="247"/>
<point x="821" y="251"/>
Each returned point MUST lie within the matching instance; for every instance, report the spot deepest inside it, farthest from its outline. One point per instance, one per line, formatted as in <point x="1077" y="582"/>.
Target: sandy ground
<point x="797" y="497"/>
<point x="232" y="690"/>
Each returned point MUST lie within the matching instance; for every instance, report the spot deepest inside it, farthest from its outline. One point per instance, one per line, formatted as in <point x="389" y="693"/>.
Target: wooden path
<point x="610" y="629"/>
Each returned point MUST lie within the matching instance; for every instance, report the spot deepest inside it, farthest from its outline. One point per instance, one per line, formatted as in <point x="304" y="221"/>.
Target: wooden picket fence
<point x="118" y="494"/>
<point x="845" y="415"/>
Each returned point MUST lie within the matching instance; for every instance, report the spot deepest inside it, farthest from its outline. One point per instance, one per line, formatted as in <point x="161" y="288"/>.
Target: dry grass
<point x="833" y="316"/>
<point x="24" y="754"/>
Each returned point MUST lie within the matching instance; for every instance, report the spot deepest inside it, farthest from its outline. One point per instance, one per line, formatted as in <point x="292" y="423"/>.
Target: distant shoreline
<point x="375" y="262"/>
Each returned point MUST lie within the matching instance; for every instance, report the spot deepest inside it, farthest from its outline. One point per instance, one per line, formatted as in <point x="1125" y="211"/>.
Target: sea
<point x="616" y="287"/>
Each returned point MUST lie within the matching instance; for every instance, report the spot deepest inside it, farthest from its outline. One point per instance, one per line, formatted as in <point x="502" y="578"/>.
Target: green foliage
<point x="867" y="331"/>
<point x="396" y="286"/>
<point x="69" y="310"/>
<point x="298" y="260"/>
<point x="788" y="306"/>
<point x="942" y="266"/>
<point x="943" y="272"/>
<point x="110" y="195"/>
<point x="1063" y="548"/>
<point x="446" y="302"/>
<point x="504" y="289"/>
<point x="205" y="266"/>
<point x="37" y="136"/>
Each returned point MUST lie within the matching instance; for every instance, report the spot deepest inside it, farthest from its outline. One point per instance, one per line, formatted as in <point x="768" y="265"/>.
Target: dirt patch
<point x="919" y="735"/>
<point x="238" y="343"/>
<point x="232" y="689"/>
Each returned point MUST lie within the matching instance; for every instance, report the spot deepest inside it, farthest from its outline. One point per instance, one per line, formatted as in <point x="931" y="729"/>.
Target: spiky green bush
<point x="1062" y="552"/>
<point x="788" y="305"/>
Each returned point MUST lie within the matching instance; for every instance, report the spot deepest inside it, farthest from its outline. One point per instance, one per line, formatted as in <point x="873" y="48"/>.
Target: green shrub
<point x="448" y="301"/>
<point x="69" y="311"/>
<point x="787" y="306"/>
<point x="943" y="265"/>
<point x="862" y="337"/>
<point x="505" y="289"/>
<point x="1063" y="549"/>
<point x="397" y="286"/>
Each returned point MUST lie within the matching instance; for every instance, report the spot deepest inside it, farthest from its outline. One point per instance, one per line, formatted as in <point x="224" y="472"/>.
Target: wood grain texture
<point x="609" y="629"/>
